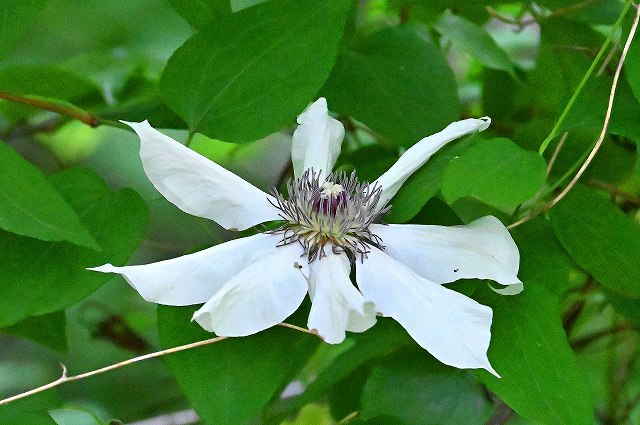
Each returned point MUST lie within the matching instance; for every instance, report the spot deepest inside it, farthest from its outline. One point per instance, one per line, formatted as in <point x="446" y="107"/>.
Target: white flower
<point x="331" y="224"/>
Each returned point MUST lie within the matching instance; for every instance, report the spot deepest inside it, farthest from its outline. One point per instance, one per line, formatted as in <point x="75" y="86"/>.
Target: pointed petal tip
<point x="106" y="268"/>
<point x="487" y="123"/>
<point x="491" y="370"/>
<point x="134" y="124"/>
<point x="319" y="107"/>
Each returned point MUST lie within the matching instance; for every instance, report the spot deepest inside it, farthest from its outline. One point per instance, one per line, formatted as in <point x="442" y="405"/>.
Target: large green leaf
<point x="497" y="172"/>
<point x="381" y="340"/>
<point x="47" y="81"/>
<point x="38" y="277"/>
<point x="475" y="41"/>
<point x="632" y="67"/>
<point x="30" y="206"/>
<point x="199" y="13"/>
<point x="397" y="82"/>
<point x="244" y="77"/>
<point x="229" y="382"/>
<point x="32" y="410"/>
<point x="419" y="390"/>
<point x="543" y="260"/>
<point x="600" y="238"/>
<point x="48" y="329"/>
<point x="541" y="379"/>
<point x="16" y="16"/>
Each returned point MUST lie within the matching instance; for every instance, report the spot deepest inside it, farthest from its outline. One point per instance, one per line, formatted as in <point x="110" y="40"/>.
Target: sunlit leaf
<point x="475" y="41"/>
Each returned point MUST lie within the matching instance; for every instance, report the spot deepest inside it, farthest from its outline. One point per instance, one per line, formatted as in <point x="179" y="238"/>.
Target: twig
<point x="586" y="77"/>
<point x="586" y="340"/>
<point x="347" y="419"/>
<point x="607" y="118"/>
<point x="572" y="8"/>
<point x="606" y="60"/>
<point x="603" y="133"/>
<point x="557" y="151"/>
<point x="66" y="378"/>
<point x="297" y="328"/>
<point x="519" y="23"/>
<point x="60" y="108"/>
<point x="614" y="191"/>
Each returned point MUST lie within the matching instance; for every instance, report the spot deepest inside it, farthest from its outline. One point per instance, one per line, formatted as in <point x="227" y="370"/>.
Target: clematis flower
<point x="330" y="223"/>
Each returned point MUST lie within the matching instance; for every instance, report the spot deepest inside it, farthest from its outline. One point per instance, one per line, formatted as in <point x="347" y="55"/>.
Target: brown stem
<point x="603" y="133"/>
<point x="586" y="340"/>
<point x="613" y="190"/>
<point x="73" y="112"/>
<point x="65" y="378"/>
<point x="557" y="151"/>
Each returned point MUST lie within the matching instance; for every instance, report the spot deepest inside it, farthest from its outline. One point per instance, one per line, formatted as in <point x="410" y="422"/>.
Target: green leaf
<point x="541" y="379"/>
<point x="244" y="77"/>
<point x="632" y="67"/>
<point x="30" y="206"/>
<point x="381" y="340"/>
<point x="600" y="238"/>
<point x="228" y="383"/>
<point x="425" y="183"/>
<point x="237" y="5"/>
<point x="475" y="41"/>
<point x="48" y="329"/>
<point x="397" y="82"/>
<point x="49" y="83"/>
<point x="16" y="17"/>
<point x="543" y="260"/>
<point x="68" y="416"/>
<point x="497" y="172"/>
<point x="199" y="13"/>
<point x="31" y="410"/>
<point x="419" y="390"/>
<point x="625" y="306"/>
<point x="46" y="80"/>
<point x="39" y="277"/>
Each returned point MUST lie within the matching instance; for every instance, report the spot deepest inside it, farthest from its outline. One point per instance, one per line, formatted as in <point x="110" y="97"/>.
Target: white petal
<point x="199" y="186"/>
<point x="316" y="141"/>
<point x="260" y="296"/>
<point x="193" y="278"/>
<point x="482" y="249"/>
<point x="360" y="322"/>
<point x="453" y="328"/>
<point x="336" y="303"/>
<point x="418" y="154"/>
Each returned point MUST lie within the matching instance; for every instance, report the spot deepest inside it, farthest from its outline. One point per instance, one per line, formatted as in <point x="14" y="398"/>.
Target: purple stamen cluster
<point x="334" y="212"/>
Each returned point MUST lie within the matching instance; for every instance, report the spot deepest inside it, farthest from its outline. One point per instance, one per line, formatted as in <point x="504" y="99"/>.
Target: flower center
<point x="335" y="212"/>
